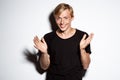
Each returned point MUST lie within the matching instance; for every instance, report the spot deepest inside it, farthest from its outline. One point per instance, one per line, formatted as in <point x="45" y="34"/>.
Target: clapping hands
<point x="40" y="44"/>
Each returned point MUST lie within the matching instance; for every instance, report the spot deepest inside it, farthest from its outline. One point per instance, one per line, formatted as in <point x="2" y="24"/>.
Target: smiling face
<point x="63" y="14"/>
<point x="64" y="20"/>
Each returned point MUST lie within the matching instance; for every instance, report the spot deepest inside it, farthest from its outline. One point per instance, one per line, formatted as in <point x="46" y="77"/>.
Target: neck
<point x="65" y="34"/>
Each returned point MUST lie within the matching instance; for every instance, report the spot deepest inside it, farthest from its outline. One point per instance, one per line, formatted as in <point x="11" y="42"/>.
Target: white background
<point x="21" y="20"/>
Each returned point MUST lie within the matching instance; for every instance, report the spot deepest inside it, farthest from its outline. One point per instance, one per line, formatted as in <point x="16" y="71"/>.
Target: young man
<point x="66" y="51"/>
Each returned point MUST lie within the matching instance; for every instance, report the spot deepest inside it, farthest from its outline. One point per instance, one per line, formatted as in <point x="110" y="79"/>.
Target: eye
<point x="58" y="18"/>
<point x="65" y="17"/>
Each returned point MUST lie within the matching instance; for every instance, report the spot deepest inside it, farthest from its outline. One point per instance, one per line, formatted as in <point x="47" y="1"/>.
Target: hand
<point x="40" y="44"/>
<point x="85" y="41"/>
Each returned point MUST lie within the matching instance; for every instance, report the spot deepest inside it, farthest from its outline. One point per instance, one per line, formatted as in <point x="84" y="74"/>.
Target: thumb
<point x="92" y="34"/>
<point x="84" y="36"/>
<point x="43" y="40"/>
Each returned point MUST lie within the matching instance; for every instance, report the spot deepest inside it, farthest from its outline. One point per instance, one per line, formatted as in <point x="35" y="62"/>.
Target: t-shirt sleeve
<point x="48" y="39"/>
<point x="88" y="48"/>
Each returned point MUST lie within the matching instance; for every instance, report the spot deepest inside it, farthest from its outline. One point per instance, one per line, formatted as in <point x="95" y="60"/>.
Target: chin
<point x="63" y="29"/>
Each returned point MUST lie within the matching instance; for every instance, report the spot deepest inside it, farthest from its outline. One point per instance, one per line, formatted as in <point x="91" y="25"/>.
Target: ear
<point x="72" y="18"/>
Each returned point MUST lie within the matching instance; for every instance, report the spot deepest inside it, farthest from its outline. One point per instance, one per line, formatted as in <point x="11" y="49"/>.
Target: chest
<point x="65" y="46"/>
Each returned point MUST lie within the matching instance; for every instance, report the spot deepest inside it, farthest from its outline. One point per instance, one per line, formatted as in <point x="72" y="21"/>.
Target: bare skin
<point x="64" y="31"/>
<point x="42" y="46"/>
<point x="85" y="57"/>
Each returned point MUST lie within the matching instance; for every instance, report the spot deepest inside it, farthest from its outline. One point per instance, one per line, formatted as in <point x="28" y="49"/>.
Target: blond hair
<point x="61" y="7"/>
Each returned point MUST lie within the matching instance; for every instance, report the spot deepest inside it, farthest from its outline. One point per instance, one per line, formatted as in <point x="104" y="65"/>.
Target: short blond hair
<point x="61" y="7"/>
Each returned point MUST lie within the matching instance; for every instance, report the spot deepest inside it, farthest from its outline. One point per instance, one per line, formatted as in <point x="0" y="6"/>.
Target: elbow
<point x="85" y="61"/>
<point x="86" y="65"/>
<point x="45" y="66"/>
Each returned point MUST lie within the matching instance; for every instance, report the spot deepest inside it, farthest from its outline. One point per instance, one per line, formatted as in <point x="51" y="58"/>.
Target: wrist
<point x="45" y="54"/>
<point x="82" y="49"/>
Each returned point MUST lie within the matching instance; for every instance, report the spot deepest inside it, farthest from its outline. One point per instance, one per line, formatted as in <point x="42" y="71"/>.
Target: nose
<point x="62" y="21"/>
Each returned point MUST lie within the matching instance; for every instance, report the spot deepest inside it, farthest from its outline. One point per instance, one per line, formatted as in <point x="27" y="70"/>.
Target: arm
<point x="85" y="57"/>
<point x="45" y="61"/>
<point x="42" y="47"/>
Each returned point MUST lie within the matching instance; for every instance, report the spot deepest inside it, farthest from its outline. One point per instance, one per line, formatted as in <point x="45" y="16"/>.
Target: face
<point x="64" y="20"/>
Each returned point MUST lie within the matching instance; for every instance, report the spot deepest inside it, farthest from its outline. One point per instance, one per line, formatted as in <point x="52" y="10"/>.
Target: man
<point x="66" y="51"/>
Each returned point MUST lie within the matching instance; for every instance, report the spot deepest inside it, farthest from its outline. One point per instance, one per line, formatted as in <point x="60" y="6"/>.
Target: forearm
<point x="85" y="58"/>
<point x="44" y="61"/>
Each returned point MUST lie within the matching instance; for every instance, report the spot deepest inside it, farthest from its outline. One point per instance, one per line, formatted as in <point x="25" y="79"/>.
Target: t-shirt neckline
<point x="68" y="37"/>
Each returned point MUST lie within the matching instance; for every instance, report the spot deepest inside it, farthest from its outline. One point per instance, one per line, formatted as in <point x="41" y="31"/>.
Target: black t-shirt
<point x="65" y="53"/>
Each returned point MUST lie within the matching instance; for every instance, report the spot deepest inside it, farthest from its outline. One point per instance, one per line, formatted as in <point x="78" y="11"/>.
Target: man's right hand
<point x="40" y="44"/>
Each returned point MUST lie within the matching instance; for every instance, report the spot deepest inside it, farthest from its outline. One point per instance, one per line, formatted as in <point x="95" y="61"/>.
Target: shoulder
<point x="49" y="36"/>
<point x="81" y="33"/>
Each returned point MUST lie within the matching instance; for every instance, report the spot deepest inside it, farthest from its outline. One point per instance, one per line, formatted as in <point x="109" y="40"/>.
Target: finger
<point x="36" y="39"/>
<point x="35" y="46"/>
<point x="84" y="36"/>
<point x="43" y="40"/>
<point x="90" y="38"/>
<point x="92" y="34"/>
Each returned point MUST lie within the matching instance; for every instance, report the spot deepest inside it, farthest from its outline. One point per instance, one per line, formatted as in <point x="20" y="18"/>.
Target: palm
<point x="85" y="41"/>
<point x="40" y="44"/>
